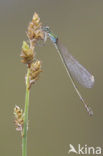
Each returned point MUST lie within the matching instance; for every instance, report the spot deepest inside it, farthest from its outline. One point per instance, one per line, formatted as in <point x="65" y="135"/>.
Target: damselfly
<point x="74" y="69"/>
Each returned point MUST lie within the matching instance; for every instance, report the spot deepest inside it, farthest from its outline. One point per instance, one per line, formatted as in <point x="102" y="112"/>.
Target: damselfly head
<point x="46" y="29"/>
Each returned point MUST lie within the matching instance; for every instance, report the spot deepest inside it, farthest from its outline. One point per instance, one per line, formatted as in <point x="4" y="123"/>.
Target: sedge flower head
<point x="19" y="118"/>
<point x="27" y="53"/>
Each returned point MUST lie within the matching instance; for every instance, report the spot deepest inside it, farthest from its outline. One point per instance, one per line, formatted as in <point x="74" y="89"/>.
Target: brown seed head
<point x="27" y="54"/>
<point x="19" y="118"/>
<point x="35" y="70"/>
<point x="35" y="32"/>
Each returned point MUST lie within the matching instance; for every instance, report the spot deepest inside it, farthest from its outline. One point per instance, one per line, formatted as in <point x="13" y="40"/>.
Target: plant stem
<point x="25" y="128"/>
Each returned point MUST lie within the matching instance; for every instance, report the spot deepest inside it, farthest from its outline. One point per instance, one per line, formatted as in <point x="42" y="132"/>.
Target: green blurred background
<point x="57" y="117"/>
